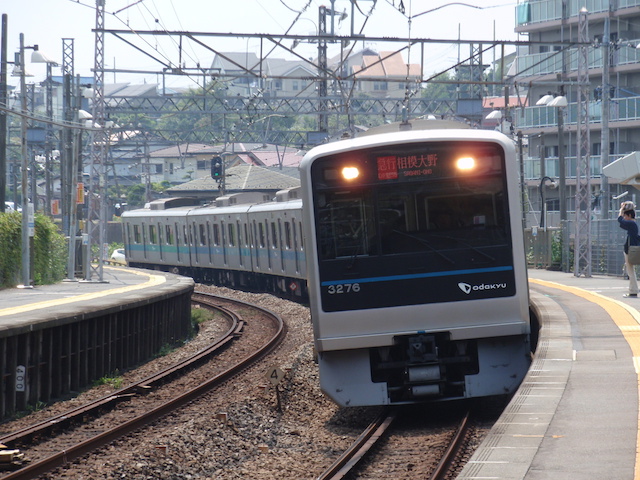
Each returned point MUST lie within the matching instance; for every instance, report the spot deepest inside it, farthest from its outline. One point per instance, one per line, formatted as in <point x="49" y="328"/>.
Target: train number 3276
<point x="343" y="288"/>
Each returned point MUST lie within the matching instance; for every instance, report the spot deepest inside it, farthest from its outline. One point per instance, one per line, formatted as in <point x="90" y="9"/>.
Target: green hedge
<point x="49" y="254"/>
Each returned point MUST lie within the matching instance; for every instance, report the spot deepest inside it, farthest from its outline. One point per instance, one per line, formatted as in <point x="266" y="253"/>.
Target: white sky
<point x="46" y="22"/>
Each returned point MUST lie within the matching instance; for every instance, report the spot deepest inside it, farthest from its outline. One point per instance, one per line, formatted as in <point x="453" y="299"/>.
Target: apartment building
<point x="549" y="65"/>
<point x="378" y="75"/>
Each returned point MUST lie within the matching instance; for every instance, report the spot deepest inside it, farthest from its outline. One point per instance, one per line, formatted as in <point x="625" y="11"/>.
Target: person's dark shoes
<point x="630" y="295"/>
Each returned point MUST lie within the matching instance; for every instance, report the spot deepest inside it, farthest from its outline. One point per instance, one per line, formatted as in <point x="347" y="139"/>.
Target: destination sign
<point x="393" y="167"/>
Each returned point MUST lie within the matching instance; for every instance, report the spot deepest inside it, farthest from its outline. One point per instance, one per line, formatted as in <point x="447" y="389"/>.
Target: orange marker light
<point x="350" y="173"/>
<point x="466" y="163"/>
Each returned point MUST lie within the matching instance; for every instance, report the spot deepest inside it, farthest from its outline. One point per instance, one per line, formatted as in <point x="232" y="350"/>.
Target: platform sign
<point x="21" y="378"/>
<point x="274" y="375"/>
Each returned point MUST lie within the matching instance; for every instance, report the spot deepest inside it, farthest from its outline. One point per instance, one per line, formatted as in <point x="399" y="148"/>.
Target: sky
<point x="46" y="22"/>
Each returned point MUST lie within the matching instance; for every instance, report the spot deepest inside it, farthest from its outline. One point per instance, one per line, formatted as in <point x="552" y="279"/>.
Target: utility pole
<point x="3" y="116"/>
<point x="604" y="134"/>
<point x="582" y="255"/>
<point x="96" y="218"/>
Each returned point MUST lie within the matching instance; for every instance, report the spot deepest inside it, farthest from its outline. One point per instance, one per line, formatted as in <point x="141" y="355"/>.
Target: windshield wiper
<point x="427" y="244"/>
<point x="471" y="247"/>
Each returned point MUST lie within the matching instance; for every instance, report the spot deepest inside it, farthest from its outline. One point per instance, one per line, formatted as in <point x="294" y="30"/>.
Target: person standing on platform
<point x="627" y="221"/>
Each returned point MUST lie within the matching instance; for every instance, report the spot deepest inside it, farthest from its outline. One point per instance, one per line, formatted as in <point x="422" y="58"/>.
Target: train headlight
<point x="350" y="173"/>
<point x="466" y="164"/>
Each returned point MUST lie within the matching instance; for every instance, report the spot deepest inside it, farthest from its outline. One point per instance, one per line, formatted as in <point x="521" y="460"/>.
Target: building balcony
<point x="621" y="110"/>
<point x="529" y="13"/>
<point x="550" y="63"/>
<point x="532" y="170"/>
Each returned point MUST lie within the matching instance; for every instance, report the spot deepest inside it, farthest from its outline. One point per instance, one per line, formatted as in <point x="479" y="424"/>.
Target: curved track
<point x="368" y="445"/>
<point x="147" y="414"/>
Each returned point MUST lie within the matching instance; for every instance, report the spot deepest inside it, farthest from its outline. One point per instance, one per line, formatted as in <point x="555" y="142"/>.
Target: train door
<point x="260" y="236"/>
<point x="280" y="245"/>
<point x="192" y="235"/>
<point x="271" y="238"/>
<point x="169" y="239"/>
<point x="161" y="248"/>
<point x="294" y="243"/>
<point x="240" y="243"/>
<point x="178" y="238"/>
<point x="232" y="243"/>
<point x="209" y="242"/>
<point x="223" y="243"/>
<point x="145" y="245"/>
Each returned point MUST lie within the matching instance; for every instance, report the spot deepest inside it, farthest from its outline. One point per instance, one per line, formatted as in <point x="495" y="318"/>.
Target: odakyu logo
<point x="466" y="288"/>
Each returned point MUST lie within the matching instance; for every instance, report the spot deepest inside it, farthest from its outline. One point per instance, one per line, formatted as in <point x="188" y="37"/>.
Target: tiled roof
<point x="243" y="178"/>
<point x="185" y="149"/>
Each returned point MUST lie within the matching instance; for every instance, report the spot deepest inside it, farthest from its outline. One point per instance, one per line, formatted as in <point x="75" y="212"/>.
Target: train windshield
<point x="415" y="211"/>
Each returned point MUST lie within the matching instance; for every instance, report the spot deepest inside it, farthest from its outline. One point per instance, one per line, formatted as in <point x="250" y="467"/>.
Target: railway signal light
<point x="216" y="168"/>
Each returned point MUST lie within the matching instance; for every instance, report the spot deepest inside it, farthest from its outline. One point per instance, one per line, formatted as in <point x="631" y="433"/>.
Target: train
<point x="407" y="242"/>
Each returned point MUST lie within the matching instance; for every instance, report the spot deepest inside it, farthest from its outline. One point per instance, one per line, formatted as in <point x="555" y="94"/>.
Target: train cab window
<point x="153" y="235"/>
<point x="344" y="224"/>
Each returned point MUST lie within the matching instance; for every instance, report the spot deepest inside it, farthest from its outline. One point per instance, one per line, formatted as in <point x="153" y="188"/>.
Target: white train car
<point x="278" y="247"/>
<point x="416" y="270"/>
<point x="158" y="236"/>
<point x="243" y="240"/>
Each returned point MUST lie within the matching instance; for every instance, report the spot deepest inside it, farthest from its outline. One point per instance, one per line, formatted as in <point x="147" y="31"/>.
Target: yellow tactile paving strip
<point x="152" y="281"/>
<point x="628" y="321"/>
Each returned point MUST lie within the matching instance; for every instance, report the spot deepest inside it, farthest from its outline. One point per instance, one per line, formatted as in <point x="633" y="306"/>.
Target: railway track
<point x="391" y="451"/>
<point x="61" y="439"/>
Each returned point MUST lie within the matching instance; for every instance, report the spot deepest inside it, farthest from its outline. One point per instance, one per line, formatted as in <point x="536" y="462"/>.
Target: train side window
<point x="301" y="236"/>
<point x="137" y="237"/>
<point x="216" y="234"/>
<point x="247" y="239"/>
<point x="287" y="235"/>
<point x="274" y="235"/>
<point x="185" y="235"/>
<point x="160" y="234"/>
<point x="203" y="234"/>
<point x="153" y="236"/>
<point x="168" y="235"/>
<point x="261" y="235"/>
<point x="239" y="228"/>
<point x="232" y="234"/>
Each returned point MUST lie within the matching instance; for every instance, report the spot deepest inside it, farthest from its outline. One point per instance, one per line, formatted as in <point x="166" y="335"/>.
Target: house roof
<point x="186" y="149"/>
<point x="386" y="64"/>
<point x="241" y="178"/>
<point x="498" y="102"/>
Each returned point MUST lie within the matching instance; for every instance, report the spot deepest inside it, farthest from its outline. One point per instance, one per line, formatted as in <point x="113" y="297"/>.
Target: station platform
<point x="26" y="307"/>
<point x="56" y="340"/>
<point x="576" y="414"/>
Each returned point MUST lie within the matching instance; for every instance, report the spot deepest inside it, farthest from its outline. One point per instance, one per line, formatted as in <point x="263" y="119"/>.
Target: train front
<point x="416" y="266"/>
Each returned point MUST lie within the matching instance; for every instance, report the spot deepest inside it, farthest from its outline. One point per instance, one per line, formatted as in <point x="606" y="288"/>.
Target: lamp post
<point x="560" y="102"/>
<point x="39" y="57"/>
<point x="543" y="207"/>
<point x="24" y="188"/>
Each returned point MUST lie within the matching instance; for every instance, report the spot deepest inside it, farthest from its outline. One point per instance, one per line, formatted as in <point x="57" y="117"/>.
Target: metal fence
<point x="553" y="248"/>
